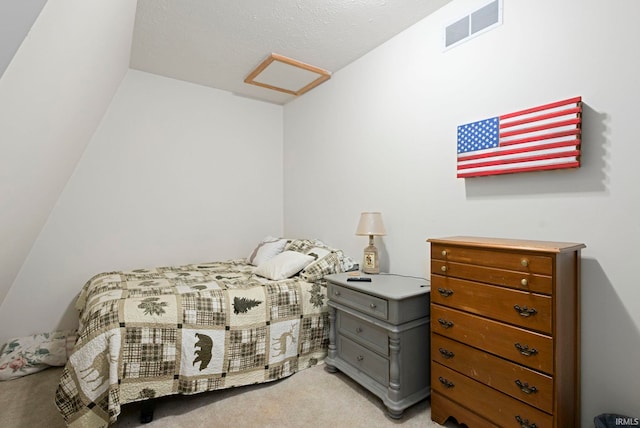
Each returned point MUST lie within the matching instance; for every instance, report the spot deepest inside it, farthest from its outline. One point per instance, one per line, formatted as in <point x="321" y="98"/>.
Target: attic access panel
<point x="287" y="75"/>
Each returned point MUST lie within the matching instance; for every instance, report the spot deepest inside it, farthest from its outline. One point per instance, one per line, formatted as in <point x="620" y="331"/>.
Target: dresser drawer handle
<point x="443" y="268"/>
<point x="446" y="353"/>
<point x="524" y="311"/>
<point x="446" y="382"/>
<point x="359" y="358"/>
<point x="524" y="262"/>
<point x="524" y="423"/>
<point x="524" y="350"/>
<point x="524" y="282"/>
<point x="444" y="292"/>
<point x="524" y="387"/>
<point x="445" y="323"/>
<point x="444" y="253"/>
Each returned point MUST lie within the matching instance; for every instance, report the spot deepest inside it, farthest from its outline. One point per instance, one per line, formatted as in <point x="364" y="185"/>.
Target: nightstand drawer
<point x="487" y="402"/>
<point x="515" y="380"/>
<point x="523" y="262"/>
<point x="367" y="304"/>
<point x="363" y="332"/>
<point x="372" y="364"/>
<point x="528" y="310"/>
<point x="525" y="347"/>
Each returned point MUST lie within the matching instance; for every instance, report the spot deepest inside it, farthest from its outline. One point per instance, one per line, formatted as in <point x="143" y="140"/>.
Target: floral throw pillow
<point x="31" y="354"/>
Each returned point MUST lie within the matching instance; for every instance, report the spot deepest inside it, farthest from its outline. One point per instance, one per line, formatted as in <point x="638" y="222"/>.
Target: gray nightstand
<point x="379" y="336"/>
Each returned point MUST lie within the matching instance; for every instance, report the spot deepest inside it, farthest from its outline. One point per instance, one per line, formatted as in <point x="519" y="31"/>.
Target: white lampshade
<point x="371" y="224"/>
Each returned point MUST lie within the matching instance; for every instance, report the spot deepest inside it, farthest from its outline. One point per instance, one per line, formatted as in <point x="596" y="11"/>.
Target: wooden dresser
<point x="505" y="332"/>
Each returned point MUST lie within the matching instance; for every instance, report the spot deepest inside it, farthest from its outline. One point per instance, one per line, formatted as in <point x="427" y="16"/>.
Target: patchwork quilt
<point x="148" y="333"/>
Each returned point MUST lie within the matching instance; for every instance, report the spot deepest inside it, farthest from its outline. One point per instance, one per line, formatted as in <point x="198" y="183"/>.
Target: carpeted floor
<point x="310" y="398"/>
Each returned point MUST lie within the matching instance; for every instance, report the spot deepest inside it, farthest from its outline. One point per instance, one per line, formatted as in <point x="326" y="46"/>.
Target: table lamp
<point x="370" y="224"/>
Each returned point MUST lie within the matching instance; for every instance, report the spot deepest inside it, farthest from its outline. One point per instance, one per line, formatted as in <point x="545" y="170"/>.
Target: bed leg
<point x="146" y="412"/>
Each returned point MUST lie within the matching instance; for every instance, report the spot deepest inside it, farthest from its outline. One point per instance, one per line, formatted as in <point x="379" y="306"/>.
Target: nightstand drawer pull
<point x="524" y="262"/>
<point x="524" y="387"/>
<point x="524" y="423"/>
<point x="445" y="323"/>
<point x="444" y="253"/>
<point x="447" y="383"/>
<point x="524" y="350"/>
<point x="524" y="282"/>
<point x="372" y="306"/>
<point x="359" y="358"/>
<point x="444" y="292"/>
<point x="337" y="293"/>
<point x="443" y="268"/>
<point x="524" y="311"/>
<point x="358" y="329"/>
<point x="446" y="353"/>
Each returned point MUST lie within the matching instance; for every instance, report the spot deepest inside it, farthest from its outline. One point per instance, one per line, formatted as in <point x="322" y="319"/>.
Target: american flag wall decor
<point x="539" y="138"/>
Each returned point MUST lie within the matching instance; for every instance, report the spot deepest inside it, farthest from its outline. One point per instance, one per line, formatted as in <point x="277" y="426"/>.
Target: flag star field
<point x="479" y="135"/>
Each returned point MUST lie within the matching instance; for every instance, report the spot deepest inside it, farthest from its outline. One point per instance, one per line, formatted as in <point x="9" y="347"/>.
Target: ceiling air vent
<point x="484" y="19"/>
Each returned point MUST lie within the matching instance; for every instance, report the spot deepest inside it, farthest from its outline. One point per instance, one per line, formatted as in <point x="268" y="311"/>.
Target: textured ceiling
<point x="217" y="43"/>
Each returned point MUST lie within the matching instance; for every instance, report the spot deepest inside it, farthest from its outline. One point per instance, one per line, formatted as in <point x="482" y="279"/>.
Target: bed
<point x="148" y="333"/>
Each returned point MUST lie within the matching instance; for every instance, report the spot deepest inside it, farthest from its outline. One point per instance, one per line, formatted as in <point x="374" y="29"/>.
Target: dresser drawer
<point x="531" y="349"/>
<point x="523" y="262"/>
<point x="442" y="407"/>
<point x="364" y="359"/>
<point x="363" y="332"/>
<point x="521" y="308"/>
<point x="512" y="279"/>
<point x="370" y="305"/>
<point x="526" y="385"/>
<point x="497" y="407"/>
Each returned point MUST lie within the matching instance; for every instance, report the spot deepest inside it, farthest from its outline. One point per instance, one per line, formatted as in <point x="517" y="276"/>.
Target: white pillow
<point x="268" y="248"/>
<point x="284" y="265"/>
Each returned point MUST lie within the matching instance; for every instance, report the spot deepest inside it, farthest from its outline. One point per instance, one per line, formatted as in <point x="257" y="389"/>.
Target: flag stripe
<point x="540" y="127"/>
<point x="558" y="152"/>
<point x="540" y="117"/>
<point x="525" y="167"/>
<point x="573" y="164"/>
<point x="538" y="138"/>
<point x="506" y="161"/>
<point x="509" y="150"/>
<point x="543" y="137"/>
<point x="543" y="107"/>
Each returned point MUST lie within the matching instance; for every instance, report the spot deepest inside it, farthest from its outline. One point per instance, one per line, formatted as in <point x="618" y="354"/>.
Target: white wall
<point x="381" y="135"/>
<point x="52" y="96"/>
<point x="176" y="173"/>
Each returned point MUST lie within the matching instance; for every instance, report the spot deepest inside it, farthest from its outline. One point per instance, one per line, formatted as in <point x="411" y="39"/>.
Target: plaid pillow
<point x="327" y="259"/>
<point x="327" y="265"/>
<point x="302" y="245"/>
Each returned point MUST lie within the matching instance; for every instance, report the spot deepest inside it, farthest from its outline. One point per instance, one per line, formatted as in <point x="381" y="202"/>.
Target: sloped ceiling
<point x="218" y="43"/>
<point x="56" y="85"/>
<point x="16" y="19"/>
<point x="53" y="95"/>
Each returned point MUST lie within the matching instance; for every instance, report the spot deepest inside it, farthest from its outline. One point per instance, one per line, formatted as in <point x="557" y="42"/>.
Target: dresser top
<point x="383" y="285"/>
<point x="509" y="244"/>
